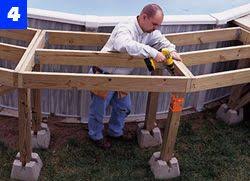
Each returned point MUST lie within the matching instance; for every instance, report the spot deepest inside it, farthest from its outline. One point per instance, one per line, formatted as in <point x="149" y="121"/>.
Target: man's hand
<point x="160" y="57"/>
<point x="176" y="56"/>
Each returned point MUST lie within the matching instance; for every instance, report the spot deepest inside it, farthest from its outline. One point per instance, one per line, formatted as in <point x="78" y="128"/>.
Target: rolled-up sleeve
<point x="123" y="42"/>
<point x="159" y="41"/>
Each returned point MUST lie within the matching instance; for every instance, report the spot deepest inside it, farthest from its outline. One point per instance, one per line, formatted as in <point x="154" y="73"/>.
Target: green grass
<point x="210" y="151"/>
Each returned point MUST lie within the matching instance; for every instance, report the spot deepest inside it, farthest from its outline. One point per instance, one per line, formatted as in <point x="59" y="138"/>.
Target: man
<point x="138" y="37"/>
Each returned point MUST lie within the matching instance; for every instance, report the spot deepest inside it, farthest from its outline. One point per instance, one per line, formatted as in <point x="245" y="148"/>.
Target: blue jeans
<point x="120" y="110"/>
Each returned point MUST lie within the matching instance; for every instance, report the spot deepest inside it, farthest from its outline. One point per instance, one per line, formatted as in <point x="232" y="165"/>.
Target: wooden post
<point x="36" y="106"/>
<point x="172" y="126"/>
<point x="152" y="104"/>
<point x="236" y="91"/>
<point x="243" y="101"/>
<point x="24" y="125"/>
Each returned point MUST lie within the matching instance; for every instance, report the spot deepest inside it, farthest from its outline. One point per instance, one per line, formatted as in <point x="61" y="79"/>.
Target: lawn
<point x="206" y="149"/>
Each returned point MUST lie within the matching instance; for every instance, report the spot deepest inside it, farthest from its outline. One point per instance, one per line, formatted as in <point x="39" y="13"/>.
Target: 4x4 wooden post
<point x="24" y="125"/>
<point x="152" y="104"/>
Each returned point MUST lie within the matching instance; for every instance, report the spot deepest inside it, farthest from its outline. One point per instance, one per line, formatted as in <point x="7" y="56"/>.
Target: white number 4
<point x="13" y="14"/>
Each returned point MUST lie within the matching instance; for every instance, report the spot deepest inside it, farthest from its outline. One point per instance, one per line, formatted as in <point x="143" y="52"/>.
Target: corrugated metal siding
<point x="76" y="102"/>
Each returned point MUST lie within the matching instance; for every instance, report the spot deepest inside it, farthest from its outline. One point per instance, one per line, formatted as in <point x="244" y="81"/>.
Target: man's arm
<point x="158" y="41"/>
<point x="123" y="42"/>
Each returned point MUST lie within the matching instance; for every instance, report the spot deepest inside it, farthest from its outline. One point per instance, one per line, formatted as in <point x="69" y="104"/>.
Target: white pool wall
<point x="99" y="21"/>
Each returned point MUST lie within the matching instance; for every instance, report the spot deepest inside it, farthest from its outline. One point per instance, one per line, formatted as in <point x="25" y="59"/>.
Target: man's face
<point x="152" y="23"/>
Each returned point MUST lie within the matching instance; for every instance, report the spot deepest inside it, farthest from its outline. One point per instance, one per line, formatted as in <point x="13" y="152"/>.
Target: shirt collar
<point x="140" y="31"/>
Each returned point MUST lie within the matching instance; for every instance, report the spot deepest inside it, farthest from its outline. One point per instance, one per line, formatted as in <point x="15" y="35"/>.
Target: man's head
<point x="150" y="17"/>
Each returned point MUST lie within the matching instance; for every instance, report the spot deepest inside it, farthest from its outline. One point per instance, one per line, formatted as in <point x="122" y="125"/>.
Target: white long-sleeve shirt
<point x="129" y="38"/>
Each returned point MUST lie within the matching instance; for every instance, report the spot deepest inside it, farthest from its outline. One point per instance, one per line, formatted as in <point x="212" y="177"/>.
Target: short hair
<point x="151" y="9"/>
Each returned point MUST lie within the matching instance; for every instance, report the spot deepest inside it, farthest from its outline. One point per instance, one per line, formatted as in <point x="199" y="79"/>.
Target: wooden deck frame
<point x="23" y="79"/>
<point x="25" y="106"/>
<point x="9" y="81"/>
<point x="14" y="54"/>
<point x="240" y="94"/>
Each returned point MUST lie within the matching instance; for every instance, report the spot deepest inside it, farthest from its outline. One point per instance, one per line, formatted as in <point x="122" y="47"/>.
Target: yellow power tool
<point x="168" y="64"/>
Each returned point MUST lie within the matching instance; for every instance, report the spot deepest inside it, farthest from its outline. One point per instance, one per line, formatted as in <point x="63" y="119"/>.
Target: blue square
<point x="13" y="14"/>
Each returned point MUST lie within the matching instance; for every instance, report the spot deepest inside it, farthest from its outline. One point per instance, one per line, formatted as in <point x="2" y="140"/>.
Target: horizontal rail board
<point x="97" y="58"/>
<point x="216" y="55"/>
<point x="104" y="82"/>
<point x="5" y="89"/>
<point x="6" y="77"/>
<point x="88" y="58"/>
<point x="244" y="36"/>
<point x="179" y="39"/>
<point x="205" y="36"/>
<point x="77" y="38"/>
<point x="221" y="79"/>
<point x="11" y="52"/>
<point x="24" y="35"/>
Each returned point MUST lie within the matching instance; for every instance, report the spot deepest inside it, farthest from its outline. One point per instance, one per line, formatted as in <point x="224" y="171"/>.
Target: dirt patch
<point x="60" y="132"/>
<point x="9" y="131"/>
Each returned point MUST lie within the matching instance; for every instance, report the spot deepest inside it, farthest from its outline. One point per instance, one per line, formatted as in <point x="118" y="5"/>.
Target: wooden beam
<point x="28" y="60"/>
<point x="33" y="41"/>
<point x="221" y="79"/>
<point x="236" y="91"/>
<point x="88" y="58"/>
<point x="180" y="39"/>
<point x="103" y="82"/>
<point x="11" y="52"/>
<point x="152" y="104"/>
<point x="77" y="38"/>
<point x="243" y="101"/>
<point x="36" y="106"/>
<point x="174" y="114"/>
<point x="172" y="126"/>
<point x="204" y="36"/>
<point x="24" y="125"/>
<point x="24" y="35"/>
<point x="244" y="36"/>
<point x="97" y="58"/>
<point x="216" y="55"/>
<point x="5" y="89"/>
<point x="7" y="77"/>
<point x="181" y="69"/>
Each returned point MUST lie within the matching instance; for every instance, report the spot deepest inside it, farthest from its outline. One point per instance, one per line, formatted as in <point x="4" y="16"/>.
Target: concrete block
<point x="234" y="117"/>
<point x="163" y="170"/>
<point x="229" y="116"/>
<point x="42" y="139"/>
<point x="221" y="113"/>
<point x="147" y="139"/>
<point x="30" y="171"/>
